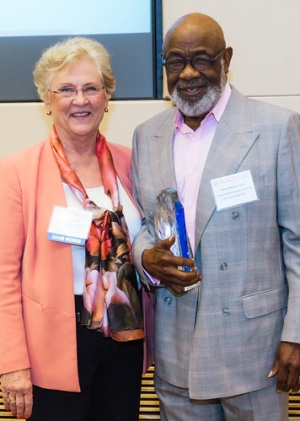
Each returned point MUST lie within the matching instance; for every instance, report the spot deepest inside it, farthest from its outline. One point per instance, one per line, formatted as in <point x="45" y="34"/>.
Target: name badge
<point x="233" y="190"/>
<point x="69" y="225"/>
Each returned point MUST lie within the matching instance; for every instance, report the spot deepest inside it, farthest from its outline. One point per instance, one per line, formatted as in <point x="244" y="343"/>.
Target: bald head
<point x="196" y="23"/>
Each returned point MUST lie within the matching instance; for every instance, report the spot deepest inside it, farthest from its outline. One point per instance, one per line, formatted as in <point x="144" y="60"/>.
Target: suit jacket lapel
<point x="232" y="141"/>
<point x="163" y="149"/>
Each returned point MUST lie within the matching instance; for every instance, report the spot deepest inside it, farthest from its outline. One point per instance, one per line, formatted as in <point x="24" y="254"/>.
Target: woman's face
<point x="77" y="118"/>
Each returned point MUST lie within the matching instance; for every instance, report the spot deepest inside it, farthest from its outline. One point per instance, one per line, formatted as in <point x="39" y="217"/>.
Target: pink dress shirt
<point x="190" y="152"/>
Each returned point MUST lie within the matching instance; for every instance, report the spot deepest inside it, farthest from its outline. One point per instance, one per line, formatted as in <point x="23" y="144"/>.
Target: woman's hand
<point x="17" y="393"/>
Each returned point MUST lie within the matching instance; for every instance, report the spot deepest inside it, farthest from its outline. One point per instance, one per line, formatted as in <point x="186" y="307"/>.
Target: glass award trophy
<point x="169" y="221"/>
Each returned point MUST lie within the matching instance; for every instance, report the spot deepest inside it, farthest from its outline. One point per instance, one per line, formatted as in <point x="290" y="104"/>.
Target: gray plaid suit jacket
<point x="220" y="340"/>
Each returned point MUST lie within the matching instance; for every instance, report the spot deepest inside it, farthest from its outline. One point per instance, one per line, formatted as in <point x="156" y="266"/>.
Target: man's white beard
<point x="202" y="106"/>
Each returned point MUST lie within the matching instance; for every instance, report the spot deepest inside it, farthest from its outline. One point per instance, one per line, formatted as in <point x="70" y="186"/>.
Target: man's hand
<point x="17" y="393"/>
<point x="161" y="263"/>
<point x="287" y="367"/>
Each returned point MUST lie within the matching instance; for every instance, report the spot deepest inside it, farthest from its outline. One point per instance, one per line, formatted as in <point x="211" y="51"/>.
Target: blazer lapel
<point x="232" y="141"/>
<point x="162" y="147"/>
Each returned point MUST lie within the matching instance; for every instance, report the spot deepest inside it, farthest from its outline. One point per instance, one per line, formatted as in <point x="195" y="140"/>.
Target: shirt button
<point x="226" y="311"/>
<point x="235" y="215"/>
<point x="223" y="266"/>
<point x="168" y="301"/>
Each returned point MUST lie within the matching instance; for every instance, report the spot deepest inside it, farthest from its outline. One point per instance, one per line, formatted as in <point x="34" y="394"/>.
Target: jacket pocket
<point x="264" y="302"/>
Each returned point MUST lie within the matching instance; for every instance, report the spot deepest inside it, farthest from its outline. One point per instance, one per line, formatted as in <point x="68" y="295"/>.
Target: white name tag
<point x="69" y="225"/>
<point x="233" y="190"/>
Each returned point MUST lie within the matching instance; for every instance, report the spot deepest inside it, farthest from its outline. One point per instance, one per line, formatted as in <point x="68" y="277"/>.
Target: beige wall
<point x="265" y="37"/>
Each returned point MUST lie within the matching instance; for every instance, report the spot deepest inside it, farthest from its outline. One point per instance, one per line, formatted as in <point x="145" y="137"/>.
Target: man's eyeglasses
<point x="70" y="91"/>
<point x="199" y="63"/>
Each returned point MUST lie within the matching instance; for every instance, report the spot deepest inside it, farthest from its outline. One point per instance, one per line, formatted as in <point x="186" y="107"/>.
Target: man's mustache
<point x="186" y="84"/>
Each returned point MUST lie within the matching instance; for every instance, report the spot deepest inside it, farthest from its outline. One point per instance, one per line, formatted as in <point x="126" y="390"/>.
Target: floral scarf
<point x="111" y="303"/>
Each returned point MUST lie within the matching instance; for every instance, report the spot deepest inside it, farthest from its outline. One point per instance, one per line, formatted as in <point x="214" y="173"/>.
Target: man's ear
<point x="227" y="58"/>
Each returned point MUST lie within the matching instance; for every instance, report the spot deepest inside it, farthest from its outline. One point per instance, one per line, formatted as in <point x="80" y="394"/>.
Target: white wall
<point x="24" y="124"/>
<point x="265" y="38"/>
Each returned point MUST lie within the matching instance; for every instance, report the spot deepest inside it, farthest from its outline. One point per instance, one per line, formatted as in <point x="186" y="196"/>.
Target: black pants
<point x="110" y="379"/>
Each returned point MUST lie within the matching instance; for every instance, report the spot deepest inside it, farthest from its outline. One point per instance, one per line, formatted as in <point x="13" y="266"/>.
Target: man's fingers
<point x="165" y="244"/>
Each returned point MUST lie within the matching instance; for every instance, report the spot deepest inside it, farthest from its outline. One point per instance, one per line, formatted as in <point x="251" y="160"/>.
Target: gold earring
<point x="106" y="110"/>
<point x="48" y="112"/>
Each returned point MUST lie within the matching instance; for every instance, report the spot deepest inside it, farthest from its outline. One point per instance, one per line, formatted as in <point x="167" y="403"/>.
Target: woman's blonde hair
<point x="67" y="53"/>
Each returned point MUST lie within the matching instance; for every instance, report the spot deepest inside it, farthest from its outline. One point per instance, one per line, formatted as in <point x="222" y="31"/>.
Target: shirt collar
<point x="217" y="111"/>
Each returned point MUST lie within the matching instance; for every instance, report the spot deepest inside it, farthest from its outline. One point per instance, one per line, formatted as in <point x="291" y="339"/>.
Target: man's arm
<point x="287" y="359"/>
<point x="156" y="259"/>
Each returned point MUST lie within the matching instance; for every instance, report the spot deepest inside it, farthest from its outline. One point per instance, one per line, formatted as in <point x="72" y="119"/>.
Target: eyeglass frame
<point x="75" y="91"/>
<point x="210" y="62"/>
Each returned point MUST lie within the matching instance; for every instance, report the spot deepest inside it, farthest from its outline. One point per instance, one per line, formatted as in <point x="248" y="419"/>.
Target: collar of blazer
<point x="233" y="139"/>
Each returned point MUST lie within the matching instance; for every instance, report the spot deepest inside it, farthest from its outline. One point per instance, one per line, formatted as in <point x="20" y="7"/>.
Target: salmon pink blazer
<point x="37" y="316"/>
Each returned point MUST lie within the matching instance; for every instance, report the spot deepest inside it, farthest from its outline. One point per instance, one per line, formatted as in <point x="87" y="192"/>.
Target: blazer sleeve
<point x="144" y="239"/>
<point x="13" y="349"/>
<point x="288" y="205"/>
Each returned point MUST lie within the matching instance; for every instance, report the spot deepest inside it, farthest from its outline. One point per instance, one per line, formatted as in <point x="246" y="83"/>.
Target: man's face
<point x="195" y="92"/>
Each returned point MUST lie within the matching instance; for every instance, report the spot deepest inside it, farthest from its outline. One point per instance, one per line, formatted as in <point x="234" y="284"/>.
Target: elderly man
<point x="230" y="348"/>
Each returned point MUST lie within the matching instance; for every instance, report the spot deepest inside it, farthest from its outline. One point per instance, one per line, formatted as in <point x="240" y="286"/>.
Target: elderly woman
<point x="71" y="329"/>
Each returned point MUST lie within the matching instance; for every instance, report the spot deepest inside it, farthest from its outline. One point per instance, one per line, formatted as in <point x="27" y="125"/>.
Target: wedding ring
<point x="10" y="400"/>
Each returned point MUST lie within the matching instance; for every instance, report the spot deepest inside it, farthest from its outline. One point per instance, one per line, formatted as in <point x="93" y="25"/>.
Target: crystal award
<point x="169" y="221"/>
